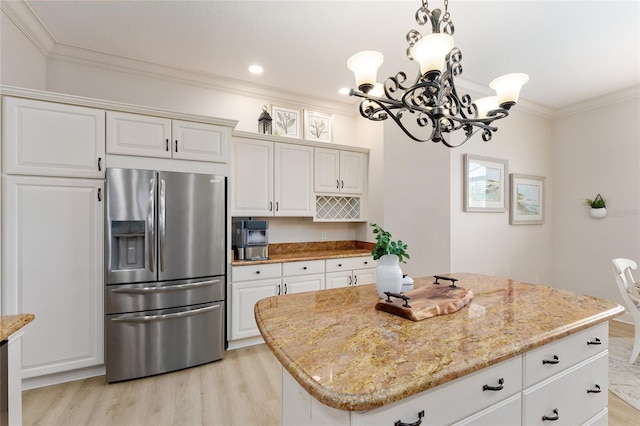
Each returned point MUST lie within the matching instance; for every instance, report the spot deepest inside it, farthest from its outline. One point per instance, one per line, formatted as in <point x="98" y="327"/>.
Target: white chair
<point x="628" y="287"/>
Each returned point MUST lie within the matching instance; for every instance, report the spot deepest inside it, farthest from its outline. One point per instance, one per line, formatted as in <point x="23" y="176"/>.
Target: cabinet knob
<point x="176" y="145"/>
<point x="166" y="145"/>
<point x="339" y="265"/>
<point x="596" y="390"/>
<point x="366" y="262"/>
<point x="337" y="184"/>
<point x="595" y="341"/>
<point x="257" y="272"/>
<point x="341" y="184"/>
<point x="555" y="360"/>
<point x="99" y="164"/>
<point x="304" y="267"/>
<point x="99" y="194"/>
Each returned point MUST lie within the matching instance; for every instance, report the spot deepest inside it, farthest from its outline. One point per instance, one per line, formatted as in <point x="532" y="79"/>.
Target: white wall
<point x="485" y="242"/>
<point x="596" y="151"/>
<point x="21" y="63"/>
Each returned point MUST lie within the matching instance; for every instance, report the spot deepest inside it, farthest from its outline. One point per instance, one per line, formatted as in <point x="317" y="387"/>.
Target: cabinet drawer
<point x="451" y="401"/>
<point x="256" y="272"/>
<point x="303" y="268"/>
<point x="504" y="413"/>
<point x="541" y="363"/>
<point x="568" y="393"/>
<point x="350" y="263"/>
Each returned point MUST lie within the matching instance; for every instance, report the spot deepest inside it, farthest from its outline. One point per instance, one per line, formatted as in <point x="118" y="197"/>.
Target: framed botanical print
<point x="317" y="126"/>
<point x="527" y="200"/>
<point x="287" y="122"/>
<point x="485" y="184"/>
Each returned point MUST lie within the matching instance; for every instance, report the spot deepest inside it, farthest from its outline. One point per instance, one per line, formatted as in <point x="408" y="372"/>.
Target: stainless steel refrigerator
<point x="165" y="271"/>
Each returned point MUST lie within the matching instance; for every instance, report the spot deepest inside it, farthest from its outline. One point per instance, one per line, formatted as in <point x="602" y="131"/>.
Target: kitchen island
<point x="345" y="362"/>
<point x="11" y="331"/>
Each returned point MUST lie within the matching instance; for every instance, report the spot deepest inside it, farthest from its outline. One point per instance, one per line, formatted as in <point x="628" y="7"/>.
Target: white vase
<point x="598" y="213"/>
<point x="388" y="275"/>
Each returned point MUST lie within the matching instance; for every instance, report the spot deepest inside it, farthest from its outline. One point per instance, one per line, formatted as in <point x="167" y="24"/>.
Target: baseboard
<point x="243" y="343"/>
<point x="67" y="376"/>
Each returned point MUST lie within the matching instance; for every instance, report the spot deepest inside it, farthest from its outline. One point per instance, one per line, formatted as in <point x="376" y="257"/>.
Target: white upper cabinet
<point x="147" y="136"/>
<point x="271" y="179"/>
<point x="337" y="171"/>
<point x="52" y="139"/>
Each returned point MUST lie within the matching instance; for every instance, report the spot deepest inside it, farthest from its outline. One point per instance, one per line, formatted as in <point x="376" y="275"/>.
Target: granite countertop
<point x="9" y="324"/>
<point x="350" y="356"/>
<point x="295" y="252"/>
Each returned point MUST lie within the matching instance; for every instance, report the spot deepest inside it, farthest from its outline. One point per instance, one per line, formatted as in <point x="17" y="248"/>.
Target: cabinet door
<point x="293" y="190"/>
<point x="252" y="184"/>
<point x="338" y="279"/>
<point x="200" y="141"/>
<point x="302" y="283"/>
<point x="364" y="276"/>
<point x="135" y="134"/>
<point x="352" y="172"/>
<point x="53" y="267"/>
<point x="50" y="139"/>
<point x="244" y="296"/>
<point x="326" y="170"/>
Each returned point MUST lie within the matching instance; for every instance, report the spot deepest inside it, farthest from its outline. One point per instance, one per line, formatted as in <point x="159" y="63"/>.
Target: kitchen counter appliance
<point x="165" y="271"/>
<point x="251" y="239"/>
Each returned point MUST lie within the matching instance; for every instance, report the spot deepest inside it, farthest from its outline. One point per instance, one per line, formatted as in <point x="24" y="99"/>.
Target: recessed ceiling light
<point x="344" y="91"/>
<point x="255" y="69"/>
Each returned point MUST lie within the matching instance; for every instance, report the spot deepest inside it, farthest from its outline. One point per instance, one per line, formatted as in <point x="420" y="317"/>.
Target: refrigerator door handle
<point x="162" y="222"/>
<point x="151" y="238"/>
<point x="144" y="290"/>
<point x="147" y="318"/>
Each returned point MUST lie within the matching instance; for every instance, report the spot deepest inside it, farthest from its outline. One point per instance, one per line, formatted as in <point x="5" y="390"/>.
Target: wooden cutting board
<point x="428" y="301"/>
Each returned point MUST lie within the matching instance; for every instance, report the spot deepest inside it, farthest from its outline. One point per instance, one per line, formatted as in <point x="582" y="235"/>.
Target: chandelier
<point x="432" y="99"/>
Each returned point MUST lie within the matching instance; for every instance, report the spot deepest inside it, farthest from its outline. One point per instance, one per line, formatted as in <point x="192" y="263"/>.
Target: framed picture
<point x="527" y="200"/>
<point x="317" y="126"/>
<point x="287" y="122"/>
<point x="485" y="184"/>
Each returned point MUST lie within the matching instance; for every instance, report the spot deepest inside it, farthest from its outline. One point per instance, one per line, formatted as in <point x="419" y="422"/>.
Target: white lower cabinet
<point x="254" y="282"/>
<point x="53" y="267"/>
<point x="345" y="272"/>
<point x="575" y="395"/>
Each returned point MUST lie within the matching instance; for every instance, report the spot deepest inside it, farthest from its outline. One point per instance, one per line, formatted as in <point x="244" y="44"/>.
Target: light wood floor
<point x="243" y="389"/>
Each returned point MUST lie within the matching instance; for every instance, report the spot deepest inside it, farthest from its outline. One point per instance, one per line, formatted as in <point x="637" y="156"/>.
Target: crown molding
<point x="28" y="23"/>
<point x="107" y="61"/>
<point x="612" y="98"/>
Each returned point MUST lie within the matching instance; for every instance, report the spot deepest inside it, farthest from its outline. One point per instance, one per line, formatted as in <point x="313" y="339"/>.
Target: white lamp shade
<point x="508" y="87"/>
<point x="377" y="91"/>
<point x="365" y="66"/>
<point x="484" y="105"/>
<point x="430" y="51"/>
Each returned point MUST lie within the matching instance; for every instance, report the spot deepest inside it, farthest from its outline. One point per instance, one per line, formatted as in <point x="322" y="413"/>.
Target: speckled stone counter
<point x="350" y="356"/>
<point x="293" y="252"/>
<point x="9" y="324"/>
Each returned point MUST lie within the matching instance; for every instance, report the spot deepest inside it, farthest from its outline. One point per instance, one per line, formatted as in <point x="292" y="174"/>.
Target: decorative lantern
<point x="264" y="122"/>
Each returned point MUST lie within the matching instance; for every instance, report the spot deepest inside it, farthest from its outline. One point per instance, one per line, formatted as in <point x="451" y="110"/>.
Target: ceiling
<point x="572" y="50"/>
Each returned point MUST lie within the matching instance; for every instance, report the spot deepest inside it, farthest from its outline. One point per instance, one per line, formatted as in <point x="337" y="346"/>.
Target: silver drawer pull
<point x="555" y="360"/>
<point x="182" y="314"/>
<point x="178" y="287"/>
<point x="494" y="388"/>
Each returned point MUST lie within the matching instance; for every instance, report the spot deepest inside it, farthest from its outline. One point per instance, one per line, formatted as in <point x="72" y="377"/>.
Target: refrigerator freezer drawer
<point x="147" y="343"/>
<point x="162" y="295"/>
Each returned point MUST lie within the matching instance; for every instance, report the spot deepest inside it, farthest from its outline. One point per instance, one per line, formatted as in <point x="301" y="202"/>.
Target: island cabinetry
<point x="338" y="171"/>
<point x="443" y="404"/>
<point x="567" y="379"/>
<point x="52" y="139"/>
<point x="148" y="136"/>
<point x="350" y="271"/>
<point x="271" y="179"/>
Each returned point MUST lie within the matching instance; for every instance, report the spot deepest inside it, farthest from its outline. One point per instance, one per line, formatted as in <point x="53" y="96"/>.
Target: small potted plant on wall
<point x="389" y="253"/>
<point x="598" y="207"/>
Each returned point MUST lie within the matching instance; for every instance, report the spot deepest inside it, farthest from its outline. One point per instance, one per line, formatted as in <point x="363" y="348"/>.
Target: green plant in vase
<point x="385" y="245"/>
